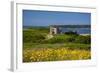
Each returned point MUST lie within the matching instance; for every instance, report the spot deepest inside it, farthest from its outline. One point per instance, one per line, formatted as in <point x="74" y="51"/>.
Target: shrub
<point x="60" y="38"/>
<point x="71" y="33"/>
<point x="30" y="36"/>
<point x="83" y="39"/>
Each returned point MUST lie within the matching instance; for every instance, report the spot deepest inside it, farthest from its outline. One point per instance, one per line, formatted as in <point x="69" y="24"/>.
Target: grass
<point x="38" y="46"/>
<point x="57" y="45"/>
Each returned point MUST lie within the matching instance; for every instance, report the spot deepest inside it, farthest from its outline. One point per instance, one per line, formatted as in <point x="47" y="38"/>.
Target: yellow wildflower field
<point x="59" y="54"/>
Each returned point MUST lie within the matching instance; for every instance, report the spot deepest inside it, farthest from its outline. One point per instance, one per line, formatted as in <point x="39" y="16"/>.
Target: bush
<point x="30" y="36"/>
<point x="70" y="39"/>
<point x="71" y="33"/>
<point x="83" y="39"/>
<point x="61" y="38"/>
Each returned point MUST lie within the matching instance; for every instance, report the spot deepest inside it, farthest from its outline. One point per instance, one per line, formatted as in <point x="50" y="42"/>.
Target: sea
<point x="78" y="30"/>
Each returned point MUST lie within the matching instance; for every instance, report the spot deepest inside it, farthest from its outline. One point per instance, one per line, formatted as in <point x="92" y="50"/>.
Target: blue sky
<point x="46" y="18"/>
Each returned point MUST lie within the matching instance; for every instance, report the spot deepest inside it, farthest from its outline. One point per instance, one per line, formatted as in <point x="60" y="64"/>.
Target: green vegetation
<point x="46" y="54"/>
<point x="38" y="47"/>
<point x="34" y="35"/>
<point x="57" y="45"/>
